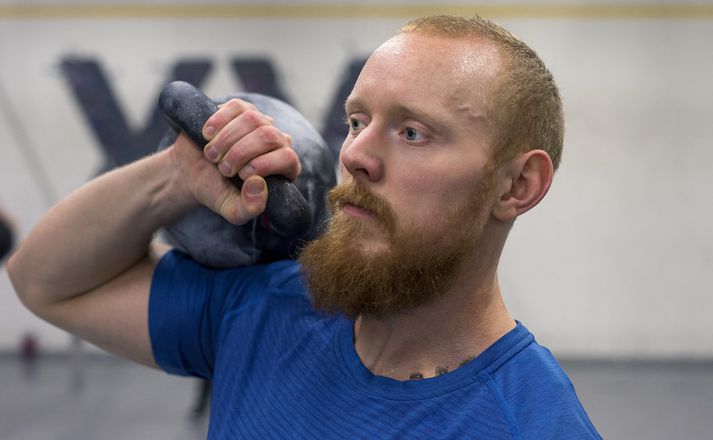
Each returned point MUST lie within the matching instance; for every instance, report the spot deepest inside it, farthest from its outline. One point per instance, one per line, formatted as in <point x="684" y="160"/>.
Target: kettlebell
<point x="295" y="211"/>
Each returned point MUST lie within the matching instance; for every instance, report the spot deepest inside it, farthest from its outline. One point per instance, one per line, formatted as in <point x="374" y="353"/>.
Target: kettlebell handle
<point x="187" y="109"/>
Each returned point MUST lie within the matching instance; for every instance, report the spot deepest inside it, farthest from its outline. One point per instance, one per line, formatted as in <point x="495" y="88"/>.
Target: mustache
<point x="355" y="193"/>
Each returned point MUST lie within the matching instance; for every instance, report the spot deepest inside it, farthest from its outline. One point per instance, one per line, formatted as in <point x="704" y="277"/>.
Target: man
<point x="392" y="324"/>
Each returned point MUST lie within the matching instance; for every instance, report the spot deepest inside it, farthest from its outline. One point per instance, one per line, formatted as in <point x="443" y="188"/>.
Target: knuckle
<point x="248" y="106"/>
<point x="293" y="162"/>
<point x="270" y="135"/>
<point x="283" y="161"/>
<point x="291" y="155"/>
<point x="259" y="166"/>
<point x="218" y="143"/>
<point x="266" y="165"/>
<point x="226" y="112"/>
<point x="233" y="104"/>
<point x="254" y="118"/>
<point x="236" y="156"/>
<point x="213" y="120"/>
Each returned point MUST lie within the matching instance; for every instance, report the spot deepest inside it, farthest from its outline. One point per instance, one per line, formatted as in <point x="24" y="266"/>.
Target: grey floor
<point x="106" y="398"/>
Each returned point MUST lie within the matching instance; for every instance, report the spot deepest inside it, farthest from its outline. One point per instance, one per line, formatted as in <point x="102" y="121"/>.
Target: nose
<point x="362" y="156"/>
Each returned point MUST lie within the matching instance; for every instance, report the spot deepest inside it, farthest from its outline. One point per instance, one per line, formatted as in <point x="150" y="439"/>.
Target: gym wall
<point x="614" y="263"/>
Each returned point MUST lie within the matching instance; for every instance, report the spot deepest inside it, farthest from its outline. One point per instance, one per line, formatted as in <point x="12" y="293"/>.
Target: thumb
<point x="253" y="197"/>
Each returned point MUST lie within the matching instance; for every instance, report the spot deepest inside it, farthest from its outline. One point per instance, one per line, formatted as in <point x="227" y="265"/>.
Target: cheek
<point x="429" y="199"/>
<point x="418" y="199"/>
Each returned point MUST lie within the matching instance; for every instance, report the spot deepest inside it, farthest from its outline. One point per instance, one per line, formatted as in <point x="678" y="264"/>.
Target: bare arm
<point x="87" y="267"/>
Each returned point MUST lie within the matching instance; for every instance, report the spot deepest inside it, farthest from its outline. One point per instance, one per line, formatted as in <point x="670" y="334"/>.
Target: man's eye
<point x="355" y="124"/>
<point x="412" y="134"/>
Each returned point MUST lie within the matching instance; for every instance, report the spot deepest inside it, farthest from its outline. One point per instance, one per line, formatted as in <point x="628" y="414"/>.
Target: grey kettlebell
<point x="295" y="213"/>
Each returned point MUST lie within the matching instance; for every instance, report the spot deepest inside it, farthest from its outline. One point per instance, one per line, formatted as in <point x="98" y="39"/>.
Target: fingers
<point x="245" y="142"/>
<point x="213" y="190"/>
<point x="239" y="207"/>
<point x="253" y="198"/>
<point x="233" y="130"/>
<point x="265" y="151"/>
<point x="225" y="114"/>
<point x="283" y="162"/>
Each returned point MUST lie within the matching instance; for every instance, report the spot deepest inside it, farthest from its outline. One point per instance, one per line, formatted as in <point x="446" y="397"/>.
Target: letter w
<point x="120" y="143"/>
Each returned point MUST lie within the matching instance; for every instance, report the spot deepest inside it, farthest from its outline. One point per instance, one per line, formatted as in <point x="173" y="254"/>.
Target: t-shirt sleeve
<point x="542" y="399"/>
<point x="188" y="302"/>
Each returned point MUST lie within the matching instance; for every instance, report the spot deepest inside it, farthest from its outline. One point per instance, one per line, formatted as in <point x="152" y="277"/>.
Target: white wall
<point x="615" y="262"/>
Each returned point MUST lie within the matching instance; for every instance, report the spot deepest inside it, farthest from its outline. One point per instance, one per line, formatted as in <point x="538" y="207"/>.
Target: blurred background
<point x="612" y="271"/>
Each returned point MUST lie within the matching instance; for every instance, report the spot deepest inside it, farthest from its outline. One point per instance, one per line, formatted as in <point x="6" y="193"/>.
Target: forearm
<point x="85" y="266"/>
<point x="98" y="231"/>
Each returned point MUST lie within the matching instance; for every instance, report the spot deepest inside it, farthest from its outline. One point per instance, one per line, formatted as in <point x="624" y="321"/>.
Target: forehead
<point x="451" y="72"/>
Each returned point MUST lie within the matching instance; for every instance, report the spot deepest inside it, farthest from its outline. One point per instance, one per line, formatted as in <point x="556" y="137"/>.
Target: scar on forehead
<point x="471" y="113"/>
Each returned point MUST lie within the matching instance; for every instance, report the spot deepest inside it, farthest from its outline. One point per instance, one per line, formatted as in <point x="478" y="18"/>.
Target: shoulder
<point x="540" y="396"/>
<point x="195" y="311"/>
<point x="180" y="283"/>
<point x="281" y="277"/>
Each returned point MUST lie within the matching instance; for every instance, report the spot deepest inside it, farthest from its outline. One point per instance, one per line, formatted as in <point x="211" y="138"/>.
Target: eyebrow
<point x="351" y="101"/>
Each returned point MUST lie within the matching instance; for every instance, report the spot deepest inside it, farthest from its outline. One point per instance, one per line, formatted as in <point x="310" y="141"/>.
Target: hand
<point x="243" y="142"/>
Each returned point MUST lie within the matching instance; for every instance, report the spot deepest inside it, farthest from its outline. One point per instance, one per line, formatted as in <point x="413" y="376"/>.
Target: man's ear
<point x="523" y="182"/>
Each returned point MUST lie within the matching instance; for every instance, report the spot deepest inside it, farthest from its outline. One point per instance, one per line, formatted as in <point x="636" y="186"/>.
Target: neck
<point x="438" y="337"/>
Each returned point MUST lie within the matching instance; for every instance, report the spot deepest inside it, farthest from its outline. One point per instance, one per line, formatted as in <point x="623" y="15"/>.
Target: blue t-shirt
<point x="280" y="370"/>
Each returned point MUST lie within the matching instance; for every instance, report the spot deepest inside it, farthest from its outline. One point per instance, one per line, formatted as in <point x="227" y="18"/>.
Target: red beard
<point x="419" y="265"/>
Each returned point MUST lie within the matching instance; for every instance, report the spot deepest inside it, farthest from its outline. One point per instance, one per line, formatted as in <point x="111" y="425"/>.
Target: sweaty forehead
<point x="454" y="72"/>
<point x="475" y="58"/>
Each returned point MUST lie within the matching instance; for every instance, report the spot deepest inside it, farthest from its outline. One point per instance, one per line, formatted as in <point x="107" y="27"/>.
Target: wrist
<point x="172" y="196"/>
